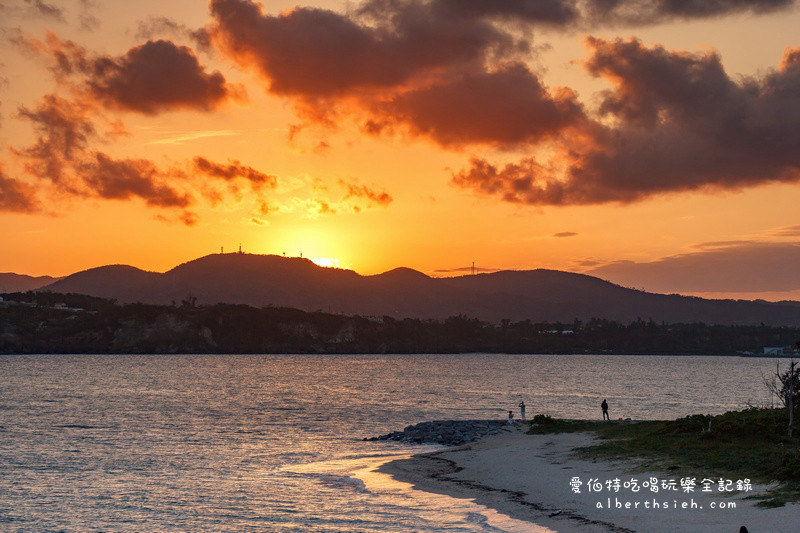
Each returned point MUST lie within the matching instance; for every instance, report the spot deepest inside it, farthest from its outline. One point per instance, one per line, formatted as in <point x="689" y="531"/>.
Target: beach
<point x="528" y="477"/>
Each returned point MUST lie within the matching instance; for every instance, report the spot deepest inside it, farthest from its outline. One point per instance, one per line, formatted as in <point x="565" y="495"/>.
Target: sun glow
<point x="328" y="262"/>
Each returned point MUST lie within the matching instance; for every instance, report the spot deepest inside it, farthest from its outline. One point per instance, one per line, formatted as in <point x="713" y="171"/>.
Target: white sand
<point x="528" y="478"/>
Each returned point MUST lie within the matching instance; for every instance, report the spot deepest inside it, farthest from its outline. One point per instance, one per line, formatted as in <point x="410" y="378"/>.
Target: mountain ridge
<point x="540" y="294"/>
<point x="11" y="282"/>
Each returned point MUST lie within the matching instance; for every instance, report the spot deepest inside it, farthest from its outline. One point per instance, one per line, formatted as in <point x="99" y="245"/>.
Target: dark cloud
<point x="680" y="124"/>
<point x="356" y="190"/>
<point x="525" y="182"/>
<point x="427" y="68"/>
<point x="63" y="130"/>
<point x="746" y="267"/>
<point x="617" y="12"/>
<point x="506" y="107"/>
<point x="565" y="234"/>
<point x="313" y="53"/>
<point x="16" y="196"/>
<point x="153" y="27"/>
<point x="157" y="76"/>
<point x="158" y="27"/>
<point x="539" y="12"/>
<point x="317" y="53"/>
<point x="63" y="154"/>
<point x="87" y="20"/>
<point x="447" y="70"/>
<point x="233" y="170"/>
<point x="150" y="78"/>
<point x="594" y="13"/>
<point x="43" y="9"/>
<point x="124" y="179"/>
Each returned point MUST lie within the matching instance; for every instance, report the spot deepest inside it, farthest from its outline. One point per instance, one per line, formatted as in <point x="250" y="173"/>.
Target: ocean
<point x="273" y="442"/>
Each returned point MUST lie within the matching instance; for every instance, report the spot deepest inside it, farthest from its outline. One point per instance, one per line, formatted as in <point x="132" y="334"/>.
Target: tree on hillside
<point x="784" y="385"/>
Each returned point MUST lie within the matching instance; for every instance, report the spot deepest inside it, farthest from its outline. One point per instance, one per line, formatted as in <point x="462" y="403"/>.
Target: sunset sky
<point x="653" y="143"/>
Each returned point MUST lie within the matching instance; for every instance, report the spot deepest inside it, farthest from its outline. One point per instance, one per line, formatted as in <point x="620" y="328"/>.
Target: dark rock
<point x="447" y="432"/>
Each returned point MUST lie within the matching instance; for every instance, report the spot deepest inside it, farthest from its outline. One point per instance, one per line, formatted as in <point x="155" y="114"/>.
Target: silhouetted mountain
<point x="538" y="295"/>
<point x="10" y="282"/>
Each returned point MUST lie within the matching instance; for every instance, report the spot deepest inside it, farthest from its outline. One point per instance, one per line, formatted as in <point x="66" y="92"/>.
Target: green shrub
<point x="543" y="420"/>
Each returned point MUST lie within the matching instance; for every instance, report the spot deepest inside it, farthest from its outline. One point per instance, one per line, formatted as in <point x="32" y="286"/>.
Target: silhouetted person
<point x="522" y="410"/>
<point x="743" y="530"/>
<point x="511" y="418"/>
<point x="604" y="407"/>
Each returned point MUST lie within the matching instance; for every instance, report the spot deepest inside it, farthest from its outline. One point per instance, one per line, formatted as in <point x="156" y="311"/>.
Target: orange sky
<point x="381" y="198"/>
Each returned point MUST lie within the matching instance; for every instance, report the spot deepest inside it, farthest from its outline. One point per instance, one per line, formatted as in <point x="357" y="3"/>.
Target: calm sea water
<point x="262" y="442"/>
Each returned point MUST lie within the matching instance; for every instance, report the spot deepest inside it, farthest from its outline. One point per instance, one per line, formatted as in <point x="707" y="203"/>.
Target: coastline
<point x="527" y="477"/>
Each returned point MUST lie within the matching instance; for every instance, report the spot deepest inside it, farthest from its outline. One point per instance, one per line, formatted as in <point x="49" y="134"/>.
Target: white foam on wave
<point x="360" y="473"/>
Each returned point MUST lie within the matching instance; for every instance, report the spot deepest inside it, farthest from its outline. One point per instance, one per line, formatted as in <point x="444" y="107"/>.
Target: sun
<point x="328" y="262"/>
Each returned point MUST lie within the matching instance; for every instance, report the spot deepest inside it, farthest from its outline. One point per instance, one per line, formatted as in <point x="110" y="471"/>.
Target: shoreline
<point x="527" y="477"/>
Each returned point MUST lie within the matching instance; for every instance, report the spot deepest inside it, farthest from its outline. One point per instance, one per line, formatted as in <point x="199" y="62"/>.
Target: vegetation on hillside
<point x="35" y="323"/>
<point x="739" y="444"/>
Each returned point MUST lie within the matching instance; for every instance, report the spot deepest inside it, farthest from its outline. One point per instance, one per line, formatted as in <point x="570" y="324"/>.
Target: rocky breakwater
<point x="447" y="432"/>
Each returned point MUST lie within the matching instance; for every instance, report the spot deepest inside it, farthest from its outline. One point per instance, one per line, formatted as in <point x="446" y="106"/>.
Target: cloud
<point x="567" y="14"/>
<point x="347" y="196"/>
<point x="447" y="70"/>
<point x="746" y="267"/>
<point x="710" y="245"/>
<point x="87" y="20"/>
<point x="627" y="12"/>
<point x="64" y="156"/>
<point x="565" y="234"/>
<point x="678" y="122"/>
<point x="45" y="10"/>
<point x="16" y="196"/>
<point x="183" y="137"/>
<point x="158" y="76"/>
<point x="123" y="179"/>
<point x="159" y="26"/>
<point x="508" y="106"/>
<point x="788" y="231"/>
<point x="430" y="69"/>
<point x="150" y="78"/>
<point x="234" y="169"/>
<point x="313" y="53"/>
<point x="63" y="129"/>
<point x="354" y="189"/>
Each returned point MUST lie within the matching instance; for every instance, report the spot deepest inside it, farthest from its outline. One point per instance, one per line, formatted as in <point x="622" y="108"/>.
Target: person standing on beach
<point x="604" y="407"/>
<point x="522" y="410"/>
<point x="511" y="418"/>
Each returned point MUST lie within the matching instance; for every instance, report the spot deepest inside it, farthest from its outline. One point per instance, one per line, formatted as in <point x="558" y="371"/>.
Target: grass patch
<point x="541" y="424"/>
<point x="740" y="444"/>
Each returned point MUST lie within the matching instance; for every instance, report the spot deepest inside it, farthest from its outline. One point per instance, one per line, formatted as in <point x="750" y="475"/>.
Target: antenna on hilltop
<point x="221" y="250"/>
<point x="473" y="268"/>
<point x="240" y="247"/>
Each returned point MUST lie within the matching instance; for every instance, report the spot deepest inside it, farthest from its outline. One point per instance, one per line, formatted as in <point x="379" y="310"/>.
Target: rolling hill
<point x="538" y="295"/>
<point x="10" y="282"/>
